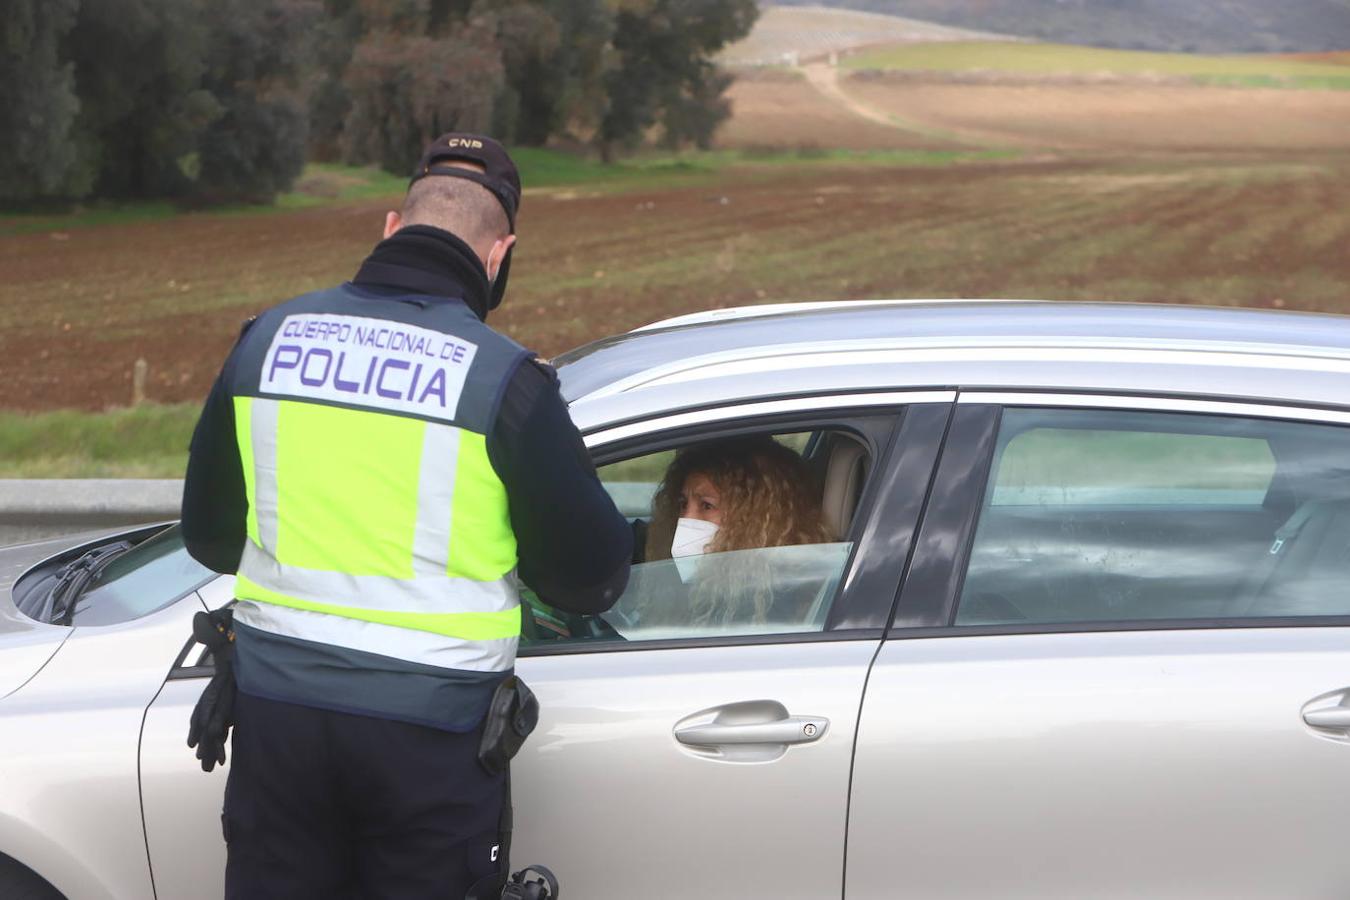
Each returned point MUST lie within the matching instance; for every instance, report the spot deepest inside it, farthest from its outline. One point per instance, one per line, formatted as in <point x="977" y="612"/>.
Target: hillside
<point x="793" y="33"/>
<point x="981" y="61"/>
<point x="1207" y="26"/>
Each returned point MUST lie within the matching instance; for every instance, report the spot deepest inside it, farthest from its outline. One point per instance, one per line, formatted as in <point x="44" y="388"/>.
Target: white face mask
<point x="692" y="537"/>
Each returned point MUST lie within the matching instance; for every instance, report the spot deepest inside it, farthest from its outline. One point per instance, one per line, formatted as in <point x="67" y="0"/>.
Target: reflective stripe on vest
<point x="398" y="643"/>
<point x="421" y="563"/>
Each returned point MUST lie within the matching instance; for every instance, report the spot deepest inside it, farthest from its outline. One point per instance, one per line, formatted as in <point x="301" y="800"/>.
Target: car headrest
<point x="844" y="475"/>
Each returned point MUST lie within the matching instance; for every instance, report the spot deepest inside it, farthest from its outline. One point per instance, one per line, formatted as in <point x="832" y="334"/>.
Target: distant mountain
<point x="1199" y="26"/>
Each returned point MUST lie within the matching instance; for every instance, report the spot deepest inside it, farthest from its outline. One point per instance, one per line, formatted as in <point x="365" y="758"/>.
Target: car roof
<point x="1267" y="354"/>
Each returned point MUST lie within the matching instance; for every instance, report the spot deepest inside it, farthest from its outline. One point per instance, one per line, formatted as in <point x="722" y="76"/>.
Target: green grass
<point x="327" y="184"/>
<point x="1248" y="70"/>
<point x="147" y="442"/>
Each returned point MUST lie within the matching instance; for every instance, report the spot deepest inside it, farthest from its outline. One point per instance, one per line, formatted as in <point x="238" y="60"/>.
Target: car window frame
<point x="903" y="454"/>
<point x="928" y="596"/>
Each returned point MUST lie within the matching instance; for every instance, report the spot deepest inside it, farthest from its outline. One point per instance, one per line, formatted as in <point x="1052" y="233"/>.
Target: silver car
<point x="1083" y="629"/>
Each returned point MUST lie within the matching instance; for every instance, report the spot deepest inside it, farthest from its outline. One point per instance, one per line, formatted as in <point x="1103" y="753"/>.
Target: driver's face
<point x="699" y="499"/>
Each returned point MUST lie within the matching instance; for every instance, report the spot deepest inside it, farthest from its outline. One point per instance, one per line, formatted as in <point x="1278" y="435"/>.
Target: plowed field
<point x="784" y="110"/>
<point x="77" y="308"/>
<point x="1161" y="117"/>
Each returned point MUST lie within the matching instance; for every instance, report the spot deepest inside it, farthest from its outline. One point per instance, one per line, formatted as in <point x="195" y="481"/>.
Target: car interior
<point x="839" y="463"/>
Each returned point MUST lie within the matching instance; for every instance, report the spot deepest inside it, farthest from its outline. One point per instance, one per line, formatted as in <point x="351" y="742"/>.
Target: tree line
<point x="210" y="101"/>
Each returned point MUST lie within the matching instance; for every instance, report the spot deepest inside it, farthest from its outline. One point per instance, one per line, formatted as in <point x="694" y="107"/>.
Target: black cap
<point x="499" y="174"/>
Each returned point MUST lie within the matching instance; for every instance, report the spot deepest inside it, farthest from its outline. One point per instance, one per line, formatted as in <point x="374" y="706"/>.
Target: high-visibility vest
<point x="376" y="521"/>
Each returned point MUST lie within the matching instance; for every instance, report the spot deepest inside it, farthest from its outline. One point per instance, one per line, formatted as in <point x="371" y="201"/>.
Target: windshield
<point x="147" y="577"/>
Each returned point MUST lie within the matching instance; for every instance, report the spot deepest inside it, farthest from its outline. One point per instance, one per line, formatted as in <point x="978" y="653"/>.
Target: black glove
<point x="214" y="713"/>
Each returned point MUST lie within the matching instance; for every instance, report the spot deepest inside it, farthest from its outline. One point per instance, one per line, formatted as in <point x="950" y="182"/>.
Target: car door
<point x="1120" y="664"/>
<point x="703" y="763"/>
<point x="697" y="764"/>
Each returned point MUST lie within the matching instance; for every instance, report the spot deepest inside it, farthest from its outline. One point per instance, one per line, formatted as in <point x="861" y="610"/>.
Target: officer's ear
<point x="392" y="222"/>
<point x="497" y="254"/>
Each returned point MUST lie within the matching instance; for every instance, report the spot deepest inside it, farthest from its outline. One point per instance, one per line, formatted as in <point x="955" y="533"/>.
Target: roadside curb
<point x="36" y="508"/>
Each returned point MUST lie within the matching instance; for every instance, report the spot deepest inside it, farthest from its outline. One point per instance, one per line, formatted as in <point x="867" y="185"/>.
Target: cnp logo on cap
<point x="496" y="171"/>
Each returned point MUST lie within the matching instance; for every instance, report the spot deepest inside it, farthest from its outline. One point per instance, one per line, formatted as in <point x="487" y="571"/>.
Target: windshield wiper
<point x="75" y="579"/>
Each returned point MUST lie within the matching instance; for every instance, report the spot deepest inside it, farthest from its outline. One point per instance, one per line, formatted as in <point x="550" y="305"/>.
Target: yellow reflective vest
<point x="379" y="535"/>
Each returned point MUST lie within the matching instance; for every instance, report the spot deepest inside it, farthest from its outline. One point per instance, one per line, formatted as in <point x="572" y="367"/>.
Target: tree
<point x="575" y="95"/>
<point x="153" y="98"/>
<point x="259" y="52"/>
<point x="38" y="105"/>
<point x="529" y="38"/>
<point x="405" y="91"/>
<point x="694" y="109"/>
<point x="216" y="100"/>
<point x="554" y="53"/>
<point x="335" y="37"/>
<point x="138" y="72"/>
<point x="663" y="72"/>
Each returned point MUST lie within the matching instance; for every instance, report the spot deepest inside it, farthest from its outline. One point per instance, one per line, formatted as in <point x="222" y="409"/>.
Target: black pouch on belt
<point x="511" y="717"/>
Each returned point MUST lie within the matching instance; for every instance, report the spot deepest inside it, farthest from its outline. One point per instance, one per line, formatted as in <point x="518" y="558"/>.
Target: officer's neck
<point x="422" y="259"/>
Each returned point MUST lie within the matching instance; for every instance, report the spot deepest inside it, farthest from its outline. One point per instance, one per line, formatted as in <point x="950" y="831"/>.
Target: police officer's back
<point x="378" y="466"/>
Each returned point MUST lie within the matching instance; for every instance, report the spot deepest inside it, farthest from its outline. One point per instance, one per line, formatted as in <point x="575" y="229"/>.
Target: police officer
<point x="378" y="466"/>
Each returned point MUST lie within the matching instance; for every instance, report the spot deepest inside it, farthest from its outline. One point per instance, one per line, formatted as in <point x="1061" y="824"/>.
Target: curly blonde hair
<point x="768" y="498"/>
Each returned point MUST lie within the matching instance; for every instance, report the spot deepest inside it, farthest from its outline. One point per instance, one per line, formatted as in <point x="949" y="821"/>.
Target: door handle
<point x="1335" y="717"/>
<point x="790" y="730"/>
<point x="1329" y="715"/>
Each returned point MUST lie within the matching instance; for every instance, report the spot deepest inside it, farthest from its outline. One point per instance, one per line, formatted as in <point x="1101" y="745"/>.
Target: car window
<point x="1065" y="466"/>
<point x="778" y="589"/>
<point x="1117" y="515"/>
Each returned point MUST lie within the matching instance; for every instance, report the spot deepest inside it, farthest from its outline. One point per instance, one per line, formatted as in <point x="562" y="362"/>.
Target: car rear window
<point x="1108" y="515"/>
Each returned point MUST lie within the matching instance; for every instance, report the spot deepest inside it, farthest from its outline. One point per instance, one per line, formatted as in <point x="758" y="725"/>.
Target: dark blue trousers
<point x="335" y="806"/>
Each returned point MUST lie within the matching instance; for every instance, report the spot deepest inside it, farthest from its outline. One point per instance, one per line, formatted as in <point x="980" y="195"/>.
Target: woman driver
<point x="733" y="494"/>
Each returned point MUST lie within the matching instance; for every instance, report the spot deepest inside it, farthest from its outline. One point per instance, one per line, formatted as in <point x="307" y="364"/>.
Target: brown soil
<point x="78" y="308"/>
<point x="1336" y="57"/>
<point x="1119" y="117"/>
<point x="789" y="112"/>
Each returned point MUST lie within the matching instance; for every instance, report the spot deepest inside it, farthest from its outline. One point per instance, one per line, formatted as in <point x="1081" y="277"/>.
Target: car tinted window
<point x="1067" y="466"/>
<point x="1115" y="515"/>
<point x="759" y="590"/>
